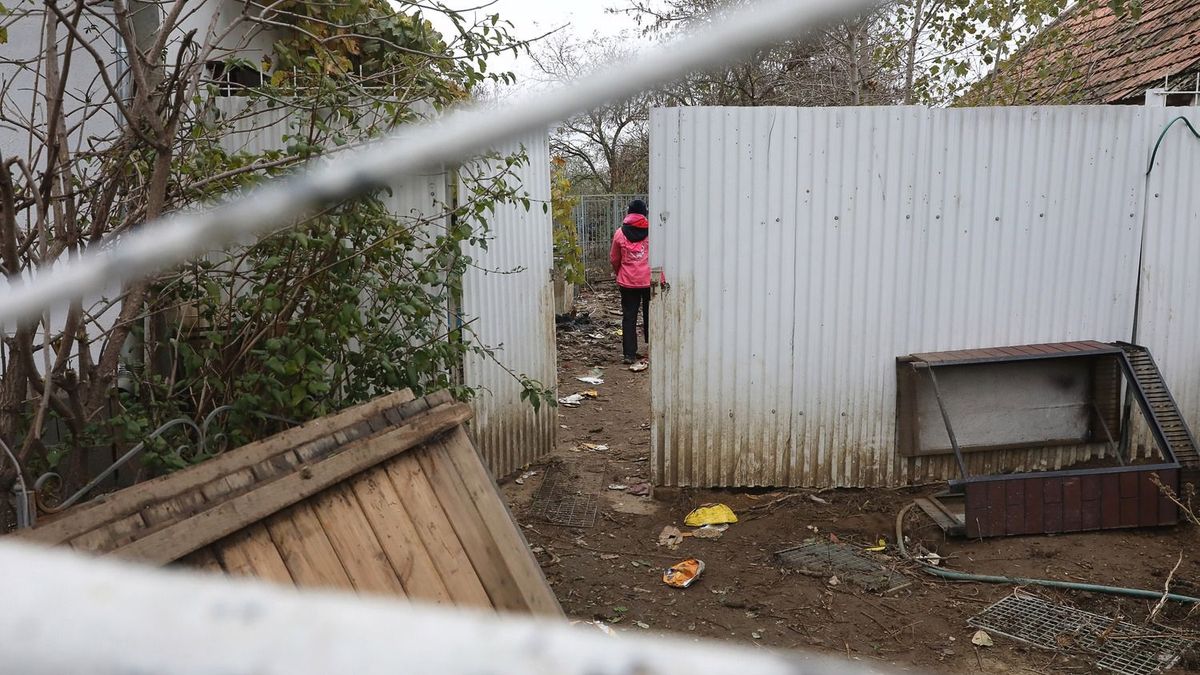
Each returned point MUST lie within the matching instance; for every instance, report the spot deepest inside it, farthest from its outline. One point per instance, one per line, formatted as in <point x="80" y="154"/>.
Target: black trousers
<point x="633" y="299"/>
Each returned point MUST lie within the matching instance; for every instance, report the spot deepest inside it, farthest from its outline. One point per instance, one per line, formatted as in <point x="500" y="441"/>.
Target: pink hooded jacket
<point x="631" y="259"/>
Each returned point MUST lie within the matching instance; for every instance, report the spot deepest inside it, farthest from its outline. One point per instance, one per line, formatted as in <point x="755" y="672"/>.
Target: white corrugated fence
<point x="806" y="249"/>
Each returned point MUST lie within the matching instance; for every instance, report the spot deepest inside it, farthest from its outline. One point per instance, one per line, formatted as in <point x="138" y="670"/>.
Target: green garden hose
<point x="1021" y="581"/>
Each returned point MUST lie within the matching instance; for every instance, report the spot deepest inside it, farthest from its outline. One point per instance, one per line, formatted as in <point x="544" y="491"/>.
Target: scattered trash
<point x="683" y="574"/>
<point x="590" y="393"/>
<point x="619" y="333"/>
<point x="812" y="528"/>
<point x="639" y="490"/>
<point x="618" y="487"/>
<point x="639" y="366"/>
<point x="527" y="474"/>
<point x="710" y="531"/>
<point x="814" y="498"/>
<point x="881" y="546"/>
<point x="834" y="581"/>
<point x="592" y="447"/>
<point x="982" y="639"/>
<point x="921" y="554"/>
<point x="572" y="401"/>
<point x="609" y="556"/>
<point x="641" y="624"/>
<point x="596" y="336"/>
<point x="710" y="514"/>
<point x="757" y="635"/>
<point x="594" y="381"/>
<point x="670" y="537"/>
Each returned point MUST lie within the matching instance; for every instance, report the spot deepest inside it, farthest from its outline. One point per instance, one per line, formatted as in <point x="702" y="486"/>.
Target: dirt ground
<point x="611" y="572"/>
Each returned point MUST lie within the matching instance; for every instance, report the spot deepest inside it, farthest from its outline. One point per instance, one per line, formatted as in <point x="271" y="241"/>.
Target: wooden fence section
<point x="389" y="498"/>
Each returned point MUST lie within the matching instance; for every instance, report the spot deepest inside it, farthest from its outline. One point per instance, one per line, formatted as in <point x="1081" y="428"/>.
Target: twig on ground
<point x="1162" y="602"/>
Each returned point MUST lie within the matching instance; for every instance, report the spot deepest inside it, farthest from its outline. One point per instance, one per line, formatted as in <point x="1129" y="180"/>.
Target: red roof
<point x="1089" y="55"/>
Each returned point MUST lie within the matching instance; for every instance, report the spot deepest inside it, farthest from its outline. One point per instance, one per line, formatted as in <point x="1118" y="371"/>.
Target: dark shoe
<point x="629" y="360"/>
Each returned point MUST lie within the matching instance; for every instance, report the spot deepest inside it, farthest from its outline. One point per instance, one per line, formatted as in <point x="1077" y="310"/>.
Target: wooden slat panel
<point x="306" y="550"/>
<point x="436" y="533"/>
<point x="252" y="553"/>
<point x="125" y="502"/>
<point x="1168" y="513"/>
<point x="497" y="550"/>
<point x="203" y="560"/>
<point x="1110" y="501"/>
<point x="1072" y="505"/>
<point x="975" y="509"/>
<point x="996" y="509"/>
<point x="355" y="543"/>
<point x="1052" y="507"/>
<point x="173" y="542"/>
<point x="1148" y="497"/>
<point x="105" y="539"/>
<point x="1015" y="508"/>
<point x="1089" y="488"/>
<point x="499" y="521"/>
<point x="1034" y="518"/>
<point x="398" y="537"/>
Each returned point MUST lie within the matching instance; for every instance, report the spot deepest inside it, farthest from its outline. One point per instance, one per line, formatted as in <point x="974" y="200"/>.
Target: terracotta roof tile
<point x="1112" y="59"/>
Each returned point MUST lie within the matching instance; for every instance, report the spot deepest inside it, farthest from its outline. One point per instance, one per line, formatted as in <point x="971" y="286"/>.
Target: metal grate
<point x="1122" y="647"/>
<point x="569" y="511"/>
<point x="846" y="562"/>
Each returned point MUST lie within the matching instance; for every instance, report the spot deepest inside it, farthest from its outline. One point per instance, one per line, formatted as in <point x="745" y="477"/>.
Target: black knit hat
<point x="638" y="206"/>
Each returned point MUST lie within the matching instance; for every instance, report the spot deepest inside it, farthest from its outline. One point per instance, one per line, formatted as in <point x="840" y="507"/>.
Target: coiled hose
<point x="1022" y="581"/>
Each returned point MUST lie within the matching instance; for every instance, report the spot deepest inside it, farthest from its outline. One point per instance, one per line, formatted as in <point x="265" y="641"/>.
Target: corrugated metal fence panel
<point x="1168" y="318"/>
<point x="508" y="299"/>
<point x="807" y="248"/>
<point x="253" y="126"/>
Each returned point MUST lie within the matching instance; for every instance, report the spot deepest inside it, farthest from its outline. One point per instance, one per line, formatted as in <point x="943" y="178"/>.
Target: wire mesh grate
<point x="569" y="511"/>
<point x="845" y="562"/>
<point x="1121" y="647"/>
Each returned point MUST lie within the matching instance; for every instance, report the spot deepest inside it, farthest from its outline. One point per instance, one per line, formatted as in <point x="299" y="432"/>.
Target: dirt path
<point x="611" y="571"/>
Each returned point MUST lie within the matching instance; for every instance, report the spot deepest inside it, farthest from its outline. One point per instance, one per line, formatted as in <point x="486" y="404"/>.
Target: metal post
<point x="1108" y="434"/>
<point x="962" y="465"/>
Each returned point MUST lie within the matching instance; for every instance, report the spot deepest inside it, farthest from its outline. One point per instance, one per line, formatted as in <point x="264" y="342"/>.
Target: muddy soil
<point x="611" y="572"/>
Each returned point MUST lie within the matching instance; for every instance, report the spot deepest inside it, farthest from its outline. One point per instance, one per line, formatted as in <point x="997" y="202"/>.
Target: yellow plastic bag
<point x="710" y="514"/>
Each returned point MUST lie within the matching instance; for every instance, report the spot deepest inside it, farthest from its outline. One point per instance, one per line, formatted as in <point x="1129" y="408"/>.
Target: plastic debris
<point x="527" y="474"/>
<point x="609" y="556"/>
<point x="710" y="514"/>
<point x="757" y="635"/>
<point x="619" y="487"/>
<point x="590" y="393"/>
<point x="881" y="546"/>
<point x="639" y="490"/>
<point x="670" y="537"/>
<point x="710" y="531"/>
<point x="593" y="447"/>
<point x="982" y="639"/>
<point x="814" y="498"/>
<point x="641" y="624"/>
<point x="604" y="628"/>
<point x="639" y="366"/>
<point x="594" y="381"/>
<point x="834" y="581"/>
<point x="596" y="336"/>
<point x="572" y="401"/>
<point x="683" y="574"/>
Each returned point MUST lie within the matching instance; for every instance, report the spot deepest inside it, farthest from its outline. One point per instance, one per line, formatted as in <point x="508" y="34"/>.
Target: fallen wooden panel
<point x="389" y="498"/>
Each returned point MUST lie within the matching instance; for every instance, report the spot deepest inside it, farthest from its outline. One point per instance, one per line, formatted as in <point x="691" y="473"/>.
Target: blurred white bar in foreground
<point x="65" y="613"/>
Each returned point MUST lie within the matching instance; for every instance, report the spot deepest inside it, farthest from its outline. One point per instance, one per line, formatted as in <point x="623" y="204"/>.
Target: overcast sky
<point x="532" y="18"/>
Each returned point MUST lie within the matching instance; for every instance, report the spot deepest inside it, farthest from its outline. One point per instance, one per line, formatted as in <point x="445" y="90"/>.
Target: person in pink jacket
<point x="630" y="258"/>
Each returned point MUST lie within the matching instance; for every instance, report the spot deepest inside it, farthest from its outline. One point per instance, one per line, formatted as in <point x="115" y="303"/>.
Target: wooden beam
<point x="173" y="542"/>
<point x="131" y="500"/>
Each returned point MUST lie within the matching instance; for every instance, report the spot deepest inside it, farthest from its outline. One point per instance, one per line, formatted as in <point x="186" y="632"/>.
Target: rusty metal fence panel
<point x="508" y="303"/>
<point x="807" y="248"/>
